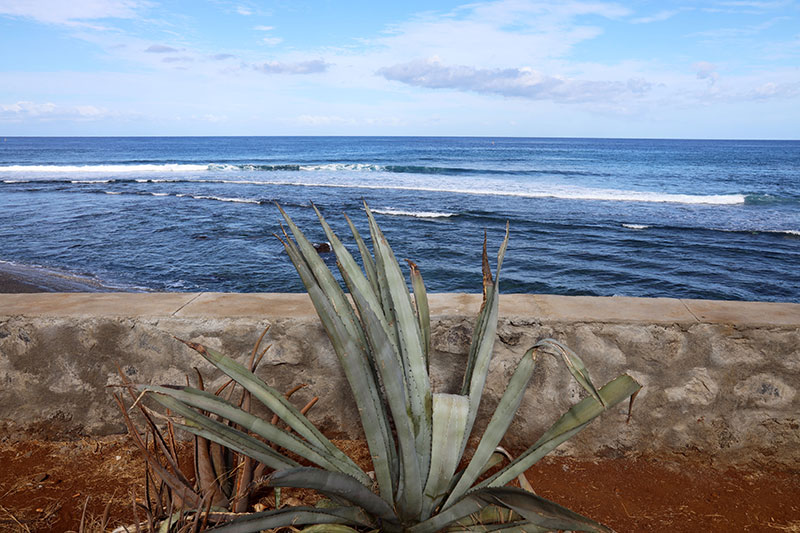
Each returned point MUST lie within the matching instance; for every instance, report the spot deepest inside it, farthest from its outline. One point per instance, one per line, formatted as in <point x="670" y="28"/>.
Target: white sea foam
<point x="168" y="167"/>
<point x="90" y="181"/>
<point x="160" y="193"/>
<point x="112" y="192"/>
<point x="786" y="231"/>
<point x="416" y="214"/>
<point x="355" y="167"/>
<point x="223" y="199"/>
<point x="563" y="192"/>
<point x="635" y="226"/>
<point x="348" y="177"/>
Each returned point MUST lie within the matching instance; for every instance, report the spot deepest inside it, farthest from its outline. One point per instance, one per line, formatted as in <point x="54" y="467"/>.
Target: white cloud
<point x="505" y="33"/>
<point x="757" y="5"/>
<point x="301" y="67"/>
<point x="245" y="11"/>
<point x="520" y="82"/>
<point x="775" y="90"/>
<point x="706" y="71"/>
<point x="177" y="59"/>
<point x="323" y="120"/>
<point x="658" y="17"/>
<point x="744" y="31"/>
<point x="160" y="49"/>
<point x="272" y="41"/>
<point x="48" y="111"/>
<point x="72" y="12"/>
<point x="264" y="28"/>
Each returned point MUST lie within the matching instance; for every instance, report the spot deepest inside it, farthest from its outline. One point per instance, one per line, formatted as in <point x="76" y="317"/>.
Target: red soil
<point x="44" y="486"/>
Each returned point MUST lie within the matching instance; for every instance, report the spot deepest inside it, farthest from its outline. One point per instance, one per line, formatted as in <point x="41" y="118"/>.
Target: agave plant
<point x="416" y="437"/>
<point x="222" y="479"/>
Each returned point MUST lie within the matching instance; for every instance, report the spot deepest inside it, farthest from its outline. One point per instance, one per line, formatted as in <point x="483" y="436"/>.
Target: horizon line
<point x="398" y="137"/>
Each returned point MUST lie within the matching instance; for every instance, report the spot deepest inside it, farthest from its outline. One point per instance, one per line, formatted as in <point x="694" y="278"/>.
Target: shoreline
<point x="19" y="278"/>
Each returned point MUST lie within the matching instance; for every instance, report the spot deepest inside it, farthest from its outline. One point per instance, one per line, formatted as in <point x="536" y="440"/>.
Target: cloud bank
<point x="301" y="67"/>
<point x="515" y="82"/>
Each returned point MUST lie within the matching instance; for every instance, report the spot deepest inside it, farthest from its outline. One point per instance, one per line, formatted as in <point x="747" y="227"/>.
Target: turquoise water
<point x="674" y="218"/>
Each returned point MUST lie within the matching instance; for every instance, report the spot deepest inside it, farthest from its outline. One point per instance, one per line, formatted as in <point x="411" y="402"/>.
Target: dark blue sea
<point x="673" y="218"/>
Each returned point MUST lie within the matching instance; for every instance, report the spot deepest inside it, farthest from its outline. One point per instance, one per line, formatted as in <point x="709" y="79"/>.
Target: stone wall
<point x="719" y="378"/>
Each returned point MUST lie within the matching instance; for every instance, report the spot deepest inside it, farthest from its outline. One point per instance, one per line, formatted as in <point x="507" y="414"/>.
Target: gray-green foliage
<point x="382" y="340"/>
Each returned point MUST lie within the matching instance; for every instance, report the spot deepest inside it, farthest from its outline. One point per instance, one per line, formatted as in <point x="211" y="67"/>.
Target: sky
<point x="685" y="69"/>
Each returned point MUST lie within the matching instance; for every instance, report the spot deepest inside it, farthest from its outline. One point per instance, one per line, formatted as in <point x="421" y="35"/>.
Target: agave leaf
<point x="410" y="345"/>
<point x="175" y="481"/>
<point x="489" y="515"/>
<point x="329" y="528"/>
<point x="366" y="258"/>
<point x="335" y="484"/>
<point x="273" y="400"/>
<point x="358" y="371"/>
<point x="294" y="516"/>
<point x="386" y="465"/>
<point x="423" y="311"/>
<point x="326" y="281"/>
<point x="347" y="263"/>
<point x="508" y="527"/>
<point x="213" y="404"/>
<point x="359" y="285"/>
<point x="490" y="287"/>
<point x="574" y="364"/>
<point x="495" y="459"/>
<point x="223" y="434"/>
<point x="521" y="479"/>
<point x="498" y="425"/>
<point x="570" y="423"/>
<point x="466" y="506"/>
<point x="480" y="323"/>
<point x="409" y="491"/>
<point x="383" y="284"/>
<point x="450" y="413"/>
<point x="483" y="345"/>
<point x="538" y="510"/>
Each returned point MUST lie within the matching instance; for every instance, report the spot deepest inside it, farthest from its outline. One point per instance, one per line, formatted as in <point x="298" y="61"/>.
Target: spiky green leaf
<point x="366" y="258"/>
<point x="423" y="311"/>
<point x="274" y="401"/>
<point x="214" y="404"/>
<point x="540" y="511"/>
<point x="325" y="280"/>
<point x="483" y="343"/>
<point x="570" y="423"/>
<point x="335" y="484"/>
<point x="410" y="345"/>
<point x="574" y="363"/>
<point x="450" y="412"/>
<point x="223" y="434"/>
<point x="498" y="425"/>
<point x="294" y="516"/>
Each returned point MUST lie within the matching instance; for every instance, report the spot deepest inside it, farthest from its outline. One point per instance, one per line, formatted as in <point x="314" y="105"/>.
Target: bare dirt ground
<point x="44" y="486"/>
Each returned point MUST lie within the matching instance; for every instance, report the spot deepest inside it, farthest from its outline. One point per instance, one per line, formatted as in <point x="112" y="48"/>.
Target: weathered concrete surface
<point x="720" y="378"/>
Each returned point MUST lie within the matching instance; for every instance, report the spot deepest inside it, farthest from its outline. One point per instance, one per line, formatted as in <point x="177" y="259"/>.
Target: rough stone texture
<point x="718" y="381"/>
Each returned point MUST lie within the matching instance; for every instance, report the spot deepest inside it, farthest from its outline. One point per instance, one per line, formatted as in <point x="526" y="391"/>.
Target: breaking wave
<point x="415" y="214"/>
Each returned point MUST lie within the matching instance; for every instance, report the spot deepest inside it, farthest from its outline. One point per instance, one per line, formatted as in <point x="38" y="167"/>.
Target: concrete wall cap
<point x="535" y="307"/>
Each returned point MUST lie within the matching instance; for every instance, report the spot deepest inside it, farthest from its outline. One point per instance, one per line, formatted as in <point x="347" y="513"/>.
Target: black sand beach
<point x="16" y="278"/>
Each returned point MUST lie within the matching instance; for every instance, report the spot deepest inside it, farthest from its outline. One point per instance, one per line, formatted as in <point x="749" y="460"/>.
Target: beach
<point x="16" y="278"/>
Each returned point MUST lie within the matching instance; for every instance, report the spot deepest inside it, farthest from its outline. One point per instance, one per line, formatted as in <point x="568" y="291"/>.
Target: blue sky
<point x="718" y="69"/>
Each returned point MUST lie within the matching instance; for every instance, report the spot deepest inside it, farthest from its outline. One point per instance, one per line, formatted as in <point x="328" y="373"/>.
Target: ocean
<point x="604" y="217"/>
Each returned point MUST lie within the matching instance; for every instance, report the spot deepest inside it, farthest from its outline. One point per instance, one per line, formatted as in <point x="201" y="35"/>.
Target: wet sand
<point x="16" y="278"/>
